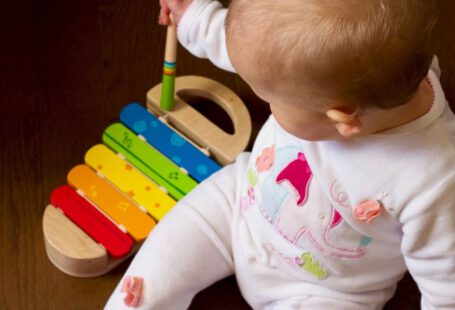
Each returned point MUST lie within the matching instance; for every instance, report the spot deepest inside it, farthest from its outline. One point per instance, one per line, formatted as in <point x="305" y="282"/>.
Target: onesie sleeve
<point x="428" y="246"/>
<point x="201" y="31"/>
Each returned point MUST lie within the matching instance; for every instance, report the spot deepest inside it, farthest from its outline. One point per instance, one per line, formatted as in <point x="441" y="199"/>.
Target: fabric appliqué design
<point x="307" y="262"/>
<point x="265" y="161"/>
<point x="248" y="200"/>
<point x="311" y="230"/>
<point x="340" y="197"/>
<point x="252" y="177"/>
<point x="365" y="241"/>
<point x="298" y="174"/>
<point x="285" y="193"/>
<point x="281" y="186"/>
<point x="336" y="251"/>
<point x="367" y="211"/>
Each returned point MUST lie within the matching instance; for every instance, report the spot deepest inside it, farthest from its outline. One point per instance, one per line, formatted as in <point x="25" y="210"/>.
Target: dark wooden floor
<point x="66" y="70"/>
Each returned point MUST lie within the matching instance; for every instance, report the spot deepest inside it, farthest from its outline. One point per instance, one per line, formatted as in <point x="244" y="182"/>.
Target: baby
<point x="351" y="180"/>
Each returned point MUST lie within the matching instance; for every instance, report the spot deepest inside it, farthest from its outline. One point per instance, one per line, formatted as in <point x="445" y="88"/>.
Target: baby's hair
<point x="370" y="53"/>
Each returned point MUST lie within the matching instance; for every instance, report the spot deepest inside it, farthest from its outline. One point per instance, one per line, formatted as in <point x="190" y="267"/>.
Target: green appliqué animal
<point x="252" y="178"/>
<point x="313" y="266"/>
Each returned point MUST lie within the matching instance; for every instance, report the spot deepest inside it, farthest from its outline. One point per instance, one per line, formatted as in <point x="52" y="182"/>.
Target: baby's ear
<point x="346" y="122"/>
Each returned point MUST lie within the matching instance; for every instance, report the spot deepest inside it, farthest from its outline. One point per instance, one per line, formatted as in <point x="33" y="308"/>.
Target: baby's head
<point x="306" y="57"/>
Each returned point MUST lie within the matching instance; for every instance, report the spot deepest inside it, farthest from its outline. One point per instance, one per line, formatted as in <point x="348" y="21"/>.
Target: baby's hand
<point x="174" y="7"/>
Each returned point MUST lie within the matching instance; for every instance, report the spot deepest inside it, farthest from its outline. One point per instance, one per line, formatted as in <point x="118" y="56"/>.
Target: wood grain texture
<point x="66" y="70"/>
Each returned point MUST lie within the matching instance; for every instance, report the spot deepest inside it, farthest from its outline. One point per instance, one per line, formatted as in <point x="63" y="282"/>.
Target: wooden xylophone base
<point x="80" y="255"/>
<point x="112" y="201"/>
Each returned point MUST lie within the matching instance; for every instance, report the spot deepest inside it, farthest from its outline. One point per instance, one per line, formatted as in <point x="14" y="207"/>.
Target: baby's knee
<point x="317" y="302"/>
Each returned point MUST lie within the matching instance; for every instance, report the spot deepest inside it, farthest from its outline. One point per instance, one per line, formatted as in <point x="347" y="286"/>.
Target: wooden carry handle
<point x="223" y="147"/>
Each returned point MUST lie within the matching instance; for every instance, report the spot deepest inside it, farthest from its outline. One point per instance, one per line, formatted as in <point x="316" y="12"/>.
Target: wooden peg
<point x="169" y="67"/>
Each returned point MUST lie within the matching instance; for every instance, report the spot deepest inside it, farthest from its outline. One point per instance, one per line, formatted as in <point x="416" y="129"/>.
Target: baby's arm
<point x="200" y="27"/>
<point x="429" y="249"/>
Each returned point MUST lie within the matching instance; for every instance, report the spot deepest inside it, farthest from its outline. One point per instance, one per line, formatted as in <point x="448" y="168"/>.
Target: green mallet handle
<point x="169" y="67"/>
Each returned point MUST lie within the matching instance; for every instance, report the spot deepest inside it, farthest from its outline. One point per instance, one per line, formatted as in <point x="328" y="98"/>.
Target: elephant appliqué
<point x="296" y="206"/>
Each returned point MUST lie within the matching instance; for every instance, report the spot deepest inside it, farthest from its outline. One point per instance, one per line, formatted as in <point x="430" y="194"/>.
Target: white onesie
<point x="310" y="225"/>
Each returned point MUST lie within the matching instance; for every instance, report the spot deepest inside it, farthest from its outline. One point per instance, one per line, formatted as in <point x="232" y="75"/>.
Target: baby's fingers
<point x="164" y="13"/>
<point x="163" y="19"/>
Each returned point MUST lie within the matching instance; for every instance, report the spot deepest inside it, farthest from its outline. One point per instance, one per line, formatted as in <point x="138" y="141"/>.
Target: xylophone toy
<point x="147" y="162"/>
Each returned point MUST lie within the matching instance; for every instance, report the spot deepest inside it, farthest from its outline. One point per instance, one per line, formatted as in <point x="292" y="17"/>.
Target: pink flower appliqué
<point x="368" y="210"/>
<point x="251" y="195"/>
<point x="265" y="161"/>
<point x="248" y="201"/>
<point x="132" y="286"/>
<point x="244" y="205"/>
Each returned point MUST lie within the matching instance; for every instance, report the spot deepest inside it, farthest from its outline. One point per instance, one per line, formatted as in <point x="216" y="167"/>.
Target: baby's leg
<point x="188" y="250"/>
<point x="315" y="302"/>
